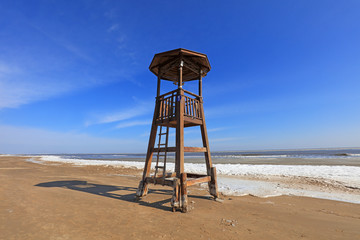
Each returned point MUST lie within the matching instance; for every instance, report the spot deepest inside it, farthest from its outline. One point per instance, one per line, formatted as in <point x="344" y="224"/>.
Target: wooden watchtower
<point x="177" y="109"/>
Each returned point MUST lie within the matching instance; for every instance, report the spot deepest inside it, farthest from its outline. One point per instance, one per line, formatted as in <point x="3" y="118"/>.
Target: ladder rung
<point x="159" y="166"/>
<point x="162" y="133"/>
<point x="162" y="144"/>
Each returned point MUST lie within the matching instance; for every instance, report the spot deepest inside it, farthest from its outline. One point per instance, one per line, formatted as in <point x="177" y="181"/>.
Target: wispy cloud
<point x="216" y="129"/>
<point x="133" y="123"/>
<point x="139" y="109"/>
<point x="15" y="91"/>
<point x="227" y="139"/>
<point x="113" y="27"/>
<point x="74" y="50"/>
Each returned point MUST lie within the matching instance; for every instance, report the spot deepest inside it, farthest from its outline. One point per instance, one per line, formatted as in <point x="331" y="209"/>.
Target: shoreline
<point x="340" y="183"/>
<point x="63" y="201"/>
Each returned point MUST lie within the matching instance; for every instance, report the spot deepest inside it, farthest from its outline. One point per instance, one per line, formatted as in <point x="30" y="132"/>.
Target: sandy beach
<point x="62" y="201"/>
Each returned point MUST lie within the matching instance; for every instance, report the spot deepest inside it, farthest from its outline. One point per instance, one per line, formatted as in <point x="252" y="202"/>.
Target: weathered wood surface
<point x="179" y="156"/>
<point x="184" y="198"/>
<point x="213" y="188"/>
<point x="159" y="180"/>
<point x="193" y="62"/>
<point x="186" y="149"/>
<point x="194" y="181"/>
<point x="171" y="122"/>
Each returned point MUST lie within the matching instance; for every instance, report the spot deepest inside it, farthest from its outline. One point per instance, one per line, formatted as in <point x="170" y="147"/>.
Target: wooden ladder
<point x="160" y="154"/>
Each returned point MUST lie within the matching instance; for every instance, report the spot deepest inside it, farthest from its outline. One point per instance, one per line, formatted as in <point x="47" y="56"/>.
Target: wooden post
<point x="213" y="183"/>
<point x="184" y="198"/>
<point x="179" y="160"/>
<point x="180" y="83"/>
<point x="175" y="200"/>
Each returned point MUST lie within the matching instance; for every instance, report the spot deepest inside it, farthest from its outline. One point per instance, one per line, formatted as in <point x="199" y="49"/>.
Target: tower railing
<point x="167" y="105"/>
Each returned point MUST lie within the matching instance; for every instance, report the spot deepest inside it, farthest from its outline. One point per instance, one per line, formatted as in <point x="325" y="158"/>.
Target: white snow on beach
<point x="340" y="183"/>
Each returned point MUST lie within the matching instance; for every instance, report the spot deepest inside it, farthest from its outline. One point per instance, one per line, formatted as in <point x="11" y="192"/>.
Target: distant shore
<point x="63" y="201"/>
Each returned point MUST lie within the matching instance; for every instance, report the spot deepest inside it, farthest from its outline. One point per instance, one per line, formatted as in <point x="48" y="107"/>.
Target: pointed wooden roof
<point x="168" y="63"/>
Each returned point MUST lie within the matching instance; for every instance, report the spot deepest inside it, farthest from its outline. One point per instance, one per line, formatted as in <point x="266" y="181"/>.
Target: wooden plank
<point x="194" y="181"/>
<point x="168" y="93"/>
<point x="190" y="65"/>
<point x="170" y="66"/>
<point x="195" y="121"/>
<point x="162" y="181"/>
<point x="165" y="64"/>
<point x="186" y="149"/>
<point x="194" y="149"/>
<point x="168" y="175"/>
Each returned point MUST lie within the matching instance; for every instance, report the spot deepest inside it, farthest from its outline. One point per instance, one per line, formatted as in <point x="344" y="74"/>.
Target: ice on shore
<point x="262" y="180"/>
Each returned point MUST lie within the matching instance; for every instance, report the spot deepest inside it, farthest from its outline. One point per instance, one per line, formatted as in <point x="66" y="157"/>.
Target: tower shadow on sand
<point x="114" y="192"/>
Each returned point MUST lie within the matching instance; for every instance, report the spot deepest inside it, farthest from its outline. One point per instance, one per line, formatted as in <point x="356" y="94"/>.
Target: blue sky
<point x="74" y="75"/>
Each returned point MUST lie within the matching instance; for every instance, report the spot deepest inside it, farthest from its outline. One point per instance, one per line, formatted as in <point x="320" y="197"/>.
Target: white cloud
<point x="141" y="108"/>
<point x="16" y="90"/>
<point x="216" y="129"/>
<point x="133" y="123"/>
<point x="113" y="27"/>
<point x="17" y="140"/>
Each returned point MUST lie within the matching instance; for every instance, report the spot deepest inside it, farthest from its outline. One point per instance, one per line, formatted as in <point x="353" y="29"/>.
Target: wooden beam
<point x="165" y="63"/>
<point x="191" y="66"/>
<point x="194" y="181"/>
<point x="192" y="94"/>
<point x="170" y="65"/>
<point x="186" y="149"/>
<point x="168" y="175"/>
<point x="162" y="181"/>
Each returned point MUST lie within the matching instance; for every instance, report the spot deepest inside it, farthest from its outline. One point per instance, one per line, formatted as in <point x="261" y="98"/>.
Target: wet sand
<point x="62" y="201"/>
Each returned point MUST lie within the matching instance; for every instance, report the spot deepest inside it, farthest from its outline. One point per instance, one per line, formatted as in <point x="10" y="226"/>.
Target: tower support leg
<point x="143" y="188"/>
<point x="175" y="200"/>
<point x="213" y="189"/>
<point x="211" y="171"/>
<point x="184" y="197"/>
